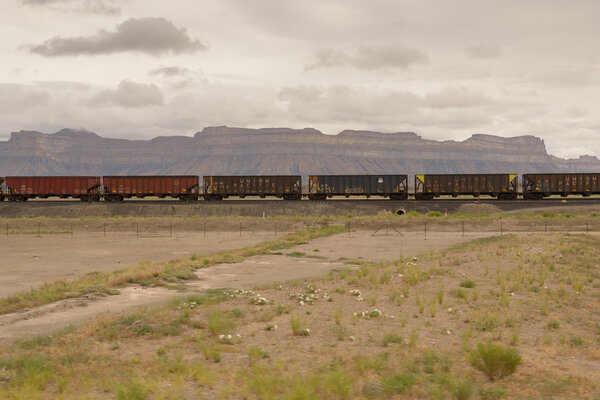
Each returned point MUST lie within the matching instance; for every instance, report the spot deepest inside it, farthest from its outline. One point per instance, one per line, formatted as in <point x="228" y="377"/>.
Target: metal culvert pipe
<point x="400" y="211"/>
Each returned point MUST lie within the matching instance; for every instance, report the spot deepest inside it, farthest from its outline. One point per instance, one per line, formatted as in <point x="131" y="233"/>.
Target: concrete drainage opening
<point x="400" y="211"/>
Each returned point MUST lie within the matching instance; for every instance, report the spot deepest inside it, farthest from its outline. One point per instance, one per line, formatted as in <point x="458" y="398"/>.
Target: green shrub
<point x="435" y="214"/>
<point x="492" y="394"/>
<point x="463" y="389"/>
<point x="460" y="294"/>
<point x="469" y="284"/>
<point x="494" y="360"/>
<point x="219" y="324"/>
<point x="255" y="354"/>
<point x="487" y="321"/>
<point x="237" y="313"/>
<point x="392" y="338"/>
<point x="398" y="383"/>
<point x="576" y="341"/>
<point x="298" y="326"/>
<point x="133" y="391"/>
<point x="553" y="325"/>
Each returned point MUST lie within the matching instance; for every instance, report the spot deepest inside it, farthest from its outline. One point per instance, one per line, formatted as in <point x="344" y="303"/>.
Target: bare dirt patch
<point x="28" y="261"/>
<point x="380" y="246"/>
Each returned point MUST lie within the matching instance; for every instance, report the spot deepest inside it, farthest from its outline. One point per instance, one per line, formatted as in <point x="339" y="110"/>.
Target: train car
<point x="502" y="186"/>
<point x="183" y="187"/>
<point x="22" y="188"/>
<point x="320" y="187"/>
<point x="538" y="186"/>
<point x="288" y="187"/>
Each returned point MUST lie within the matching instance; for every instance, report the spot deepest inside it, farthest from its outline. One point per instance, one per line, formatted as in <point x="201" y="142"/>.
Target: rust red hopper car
<point x="22" y="188"/>
<point x="183" y="187"/>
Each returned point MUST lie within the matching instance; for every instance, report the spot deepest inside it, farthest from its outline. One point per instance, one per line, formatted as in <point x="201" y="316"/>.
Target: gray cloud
<point x="42" y="2"/>
<point x="15" y="98"/>
<point x="153" y="36"/>
<point x="483" y="52"/>
<point x="369" y="58"/>
<point x="178" y="78"/>
<point x="107" y="7"/>
<point x="171" y="71"/>
<point x="438" y="113"/>
<point x="562" y="77"/>
<point x="129" y="94"/>
<point x="577" y="112"/>
<point x="346" y="103"/>
<point x="456" y="97"/>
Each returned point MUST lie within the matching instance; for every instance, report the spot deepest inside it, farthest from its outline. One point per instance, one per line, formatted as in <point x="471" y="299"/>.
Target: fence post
<point x="545" y="226"/>
<point x="204" y="228"/>
<point x="425" y="225"/>
<point x="137" y="229"/>
<point x="275" y="229"/>
<point x="170" y="229"/>
<point x="104" y="229"/>
<point x="71" y="229"/>
<point x="7" y="229"/>
<point x="240" y="229"/>
<point x="587" y="227"/>
<point x="463" y="226"/>
<point x="500" y="227"/>
<point x="39" y="230"/>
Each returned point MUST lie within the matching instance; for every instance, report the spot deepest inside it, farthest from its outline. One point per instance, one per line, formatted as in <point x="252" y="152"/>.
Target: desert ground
<point x="258" y="270"/>
<point x="364" y="308"/>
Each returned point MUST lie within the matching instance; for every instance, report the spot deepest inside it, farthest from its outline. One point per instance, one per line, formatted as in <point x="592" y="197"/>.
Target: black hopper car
<point x="320" y="187"/>
<point x="502" y="186"/>
<point x="287" y="187"/>
<point x="538" y="186"/>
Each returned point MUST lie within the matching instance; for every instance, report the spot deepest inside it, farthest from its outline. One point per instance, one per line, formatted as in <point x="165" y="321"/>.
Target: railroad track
<point x="437" y="202"/>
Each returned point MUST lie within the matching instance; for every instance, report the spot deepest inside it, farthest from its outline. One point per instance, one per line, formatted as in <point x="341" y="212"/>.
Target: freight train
<point x="289" y="187"/>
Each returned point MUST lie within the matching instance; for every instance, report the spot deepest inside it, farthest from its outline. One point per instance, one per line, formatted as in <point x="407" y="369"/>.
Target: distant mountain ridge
<point x="236" y="151"/>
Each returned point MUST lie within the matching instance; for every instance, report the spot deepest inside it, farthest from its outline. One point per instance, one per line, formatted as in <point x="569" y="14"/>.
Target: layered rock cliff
<point x="234" y="151"/>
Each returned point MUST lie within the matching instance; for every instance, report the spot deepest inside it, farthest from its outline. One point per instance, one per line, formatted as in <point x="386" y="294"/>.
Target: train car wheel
<point x="423" y="196"/>
<point x="188" y="197"/>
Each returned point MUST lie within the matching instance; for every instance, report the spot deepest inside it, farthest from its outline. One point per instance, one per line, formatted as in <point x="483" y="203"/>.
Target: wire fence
<point x="142" y="229"/>
<point x="500" y="227"/>
<point x="396" y="226"/>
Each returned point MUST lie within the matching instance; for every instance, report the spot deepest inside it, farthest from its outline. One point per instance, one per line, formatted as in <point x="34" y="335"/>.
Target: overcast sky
<point x="443" y="69"/>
